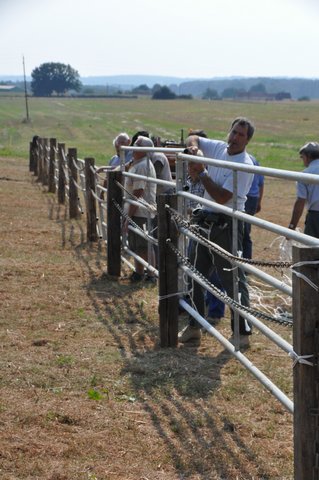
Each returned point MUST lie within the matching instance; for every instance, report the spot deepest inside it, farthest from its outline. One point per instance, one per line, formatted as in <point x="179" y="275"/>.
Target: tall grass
<point x="91" y="124"/>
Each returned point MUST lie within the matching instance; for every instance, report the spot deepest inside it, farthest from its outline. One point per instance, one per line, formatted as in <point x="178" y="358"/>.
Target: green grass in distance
<point x="91" y="124"/>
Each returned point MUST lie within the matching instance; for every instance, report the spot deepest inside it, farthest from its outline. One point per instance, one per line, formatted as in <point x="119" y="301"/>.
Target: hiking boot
<point x="244" y="342"/>
<point x="213" y="320"/>
<point x="150" y="280"/>
<point x="136" y="277"/>
<point x="190" y="334"/>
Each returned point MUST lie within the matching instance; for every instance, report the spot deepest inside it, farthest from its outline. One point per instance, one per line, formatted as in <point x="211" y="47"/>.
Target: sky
<point x="181" y="38"/>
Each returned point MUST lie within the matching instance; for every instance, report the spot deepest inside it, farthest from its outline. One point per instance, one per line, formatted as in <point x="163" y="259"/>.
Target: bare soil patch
<point x="86" y="392"/>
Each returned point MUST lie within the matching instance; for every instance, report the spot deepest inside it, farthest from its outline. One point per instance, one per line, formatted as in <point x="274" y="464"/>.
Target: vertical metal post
<point x="235" y="252"/>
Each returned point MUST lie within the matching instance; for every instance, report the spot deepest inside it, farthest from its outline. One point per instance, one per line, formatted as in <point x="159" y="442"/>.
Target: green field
<point x="91" y="124"/>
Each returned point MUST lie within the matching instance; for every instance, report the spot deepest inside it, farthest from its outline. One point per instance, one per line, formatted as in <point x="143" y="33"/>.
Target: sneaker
<point x="150" y="280"/>
<point x="136" y="277"/>
<point x="189" y="334"/>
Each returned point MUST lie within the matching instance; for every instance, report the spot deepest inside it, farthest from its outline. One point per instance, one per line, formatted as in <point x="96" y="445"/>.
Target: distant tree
<point x="258" y="89"/>
<point x="142" y="89"/>
<point x="54" y="77"/>
<point x="156" y="87"/>
<point x="230" y="93"/>
<point x="164" y="93"/>
<point x="210" y="94"/>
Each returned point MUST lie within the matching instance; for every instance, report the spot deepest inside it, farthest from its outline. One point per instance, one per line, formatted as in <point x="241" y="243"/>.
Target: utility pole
<point x="25" y="93"/>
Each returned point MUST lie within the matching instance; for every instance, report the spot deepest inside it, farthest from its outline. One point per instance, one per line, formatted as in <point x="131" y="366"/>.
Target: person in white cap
<point x="307" y="193"/>
<point x="121" y="140"/>
<point x="145" y="191"/>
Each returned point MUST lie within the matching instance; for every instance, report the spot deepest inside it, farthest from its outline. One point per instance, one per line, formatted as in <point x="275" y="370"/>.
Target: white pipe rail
<point x="286" y="232"/>
<point x="286" y="402"/>
<point x="269" y="172"/>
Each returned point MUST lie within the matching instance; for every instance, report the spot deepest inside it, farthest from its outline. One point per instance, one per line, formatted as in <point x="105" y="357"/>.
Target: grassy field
<point x="91" y="124"/>
<point x="86" y="392"/>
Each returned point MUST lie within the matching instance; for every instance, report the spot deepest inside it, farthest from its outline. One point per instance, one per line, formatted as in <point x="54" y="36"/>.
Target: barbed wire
<point x="182" y="223"/>
<point x="131" y="222"/>
<point x="225" y="298"/>
<point x="140" y="200"/>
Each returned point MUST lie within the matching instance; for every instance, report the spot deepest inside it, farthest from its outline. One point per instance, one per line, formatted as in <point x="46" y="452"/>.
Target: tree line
<point x="59" y="79"/>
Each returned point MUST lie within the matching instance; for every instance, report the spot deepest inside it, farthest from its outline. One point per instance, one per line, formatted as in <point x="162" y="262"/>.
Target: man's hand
<point x="194" y="169"/>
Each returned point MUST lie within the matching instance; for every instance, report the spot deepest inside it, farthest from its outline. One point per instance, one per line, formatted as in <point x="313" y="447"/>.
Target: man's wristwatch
<point x="203" y="173"/>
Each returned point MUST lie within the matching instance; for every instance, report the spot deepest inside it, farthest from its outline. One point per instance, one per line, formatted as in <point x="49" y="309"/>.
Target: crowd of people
<point x="214" y="183"/>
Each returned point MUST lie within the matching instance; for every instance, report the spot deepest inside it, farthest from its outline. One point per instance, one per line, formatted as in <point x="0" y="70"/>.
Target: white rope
<point x="301" y="275"/>
<point x="300" y="359"/>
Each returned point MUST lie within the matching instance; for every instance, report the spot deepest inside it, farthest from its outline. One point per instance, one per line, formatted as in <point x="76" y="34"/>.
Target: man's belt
<point x="204" y="216"/>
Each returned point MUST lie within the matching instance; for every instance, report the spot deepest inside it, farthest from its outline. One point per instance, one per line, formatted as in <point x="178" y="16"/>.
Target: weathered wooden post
<point x="168" y="273"/>
<point x="306" y="377"/>
<point x="61" y="179"/>
<point x="90" y="200"/>
<point x="40" y="159"/>
<point x="52" y="186"/>
<point x="45" y="164"/>
<point x="31" y="157"/>
<point x="36" y="157"/>
<point x="114" y="194"/>
<point x="73" y="190"/>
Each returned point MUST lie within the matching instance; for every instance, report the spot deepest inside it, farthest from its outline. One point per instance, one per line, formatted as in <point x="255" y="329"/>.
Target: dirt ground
<point x="86" y="392"/>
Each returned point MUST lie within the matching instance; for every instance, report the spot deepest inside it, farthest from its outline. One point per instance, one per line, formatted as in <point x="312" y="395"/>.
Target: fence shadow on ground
<point x="162" y="378"/>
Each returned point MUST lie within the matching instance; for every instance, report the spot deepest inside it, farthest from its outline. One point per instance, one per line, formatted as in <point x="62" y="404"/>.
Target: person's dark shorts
<point x="312" y="223"/>
<point x="136" y="242"/>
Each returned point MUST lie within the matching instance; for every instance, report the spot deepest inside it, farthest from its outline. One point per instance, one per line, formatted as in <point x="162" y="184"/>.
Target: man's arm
<point x="297" y="212"/>
<point x="219" y="194"/>
<point x="132" y="209"/>
<point x="261" y="194"/>
<point x="158" y="168"/>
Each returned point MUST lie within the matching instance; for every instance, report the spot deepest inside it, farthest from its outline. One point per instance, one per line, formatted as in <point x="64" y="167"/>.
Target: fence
<point x="60" y="172"/>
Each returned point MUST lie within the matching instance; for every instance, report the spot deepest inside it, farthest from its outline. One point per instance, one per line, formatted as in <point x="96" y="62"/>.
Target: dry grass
<point x="87" y="394"/>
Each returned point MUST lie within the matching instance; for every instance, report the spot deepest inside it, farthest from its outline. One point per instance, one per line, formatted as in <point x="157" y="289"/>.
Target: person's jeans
<point x="206" y="261"/>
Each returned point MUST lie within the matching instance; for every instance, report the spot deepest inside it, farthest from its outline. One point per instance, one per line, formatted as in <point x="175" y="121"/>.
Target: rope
<point x="97" y="198"/>
<point x="78" y="186"/>
<point x="80" y="169"/>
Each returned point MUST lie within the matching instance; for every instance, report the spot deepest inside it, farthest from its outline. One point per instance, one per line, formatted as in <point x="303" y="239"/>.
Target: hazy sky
<point x="184" y="38"/>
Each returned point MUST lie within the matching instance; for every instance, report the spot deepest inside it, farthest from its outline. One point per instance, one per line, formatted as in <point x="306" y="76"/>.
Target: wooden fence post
<point x="52" y="186"/>
<point x="306" y="377"/>
<point x="31" y="157"/>
<point x="73" y="190"/>
<point x="40" y="159"/>
<point x="168" y="273"/>
<point x="36" y="158"/>
<point x="61" y="179"/>
<point x="114" y="192"/>
<point x="45" y="164"/>
<point x="90" y="200"/>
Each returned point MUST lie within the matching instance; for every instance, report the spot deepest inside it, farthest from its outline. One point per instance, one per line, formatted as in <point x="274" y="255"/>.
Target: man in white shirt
<point x="146" y="191"/>
<point x="218" y="184"/>
<point x="308" y="193"/>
